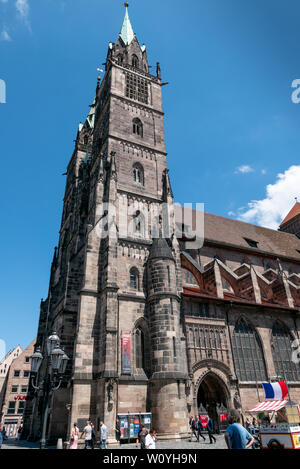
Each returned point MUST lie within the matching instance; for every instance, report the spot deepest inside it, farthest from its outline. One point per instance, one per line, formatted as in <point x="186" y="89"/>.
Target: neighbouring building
<point x="4" y="367"/>
<point x="16" y="389"/>
<point x="152" y="321"/>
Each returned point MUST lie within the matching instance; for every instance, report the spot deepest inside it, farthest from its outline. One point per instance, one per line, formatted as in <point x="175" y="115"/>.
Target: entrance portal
<point x="212" y="396"/>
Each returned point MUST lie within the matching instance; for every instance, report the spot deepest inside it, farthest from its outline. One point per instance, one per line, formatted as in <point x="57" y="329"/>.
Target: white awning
<point x="268" y="406"/>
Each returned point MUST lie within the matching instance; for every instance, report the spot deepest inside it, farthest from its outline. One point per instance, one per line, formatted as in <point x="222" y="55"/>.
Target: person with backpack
<point x="200" y="429"/>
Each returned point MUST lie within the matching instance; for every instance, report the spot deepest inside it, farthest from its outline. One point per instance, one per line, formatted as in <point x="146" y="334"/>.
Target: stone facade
<point x="122" y="271"/>
<point x="4" y="369"/>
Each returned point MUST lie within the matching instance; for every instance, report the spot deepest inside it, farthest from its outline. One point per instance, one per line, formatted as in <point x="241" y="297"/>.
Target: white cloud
<point x="244" y="169"/>
<point x="279" y="200"/>
<point x="4" y="35"/>
<point x="263" y="172"/>
<point x="23" y="7"/>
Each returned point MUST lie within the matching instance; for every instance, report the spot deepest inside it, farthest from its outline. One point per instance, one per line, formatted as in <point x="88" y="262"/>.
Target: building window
<point x="139" y="349"/>
<point x="174" y="347"/>
<point x="135" y="61"/>
<point x="26" y="374"/>
<point x="189" y="278"/>
<point x="16" y="373"/>
<point x="137" y="127"/>
<point x="138" y="174"/>
<point x="134" y="279"/>
<point x="138" y="224"/>
<point x="11" y="408"/>
<point x="282" y="351"/>
<point x="251" y="242"/>
<point x="136" y="88"/>
<point x="24" y="389"/>
<point x="120" y="59"/>
<point x="27" y="360"/>
<point x="248" y="353"/>
<point x="21" y="407"/>
<point x="14" y="389"/>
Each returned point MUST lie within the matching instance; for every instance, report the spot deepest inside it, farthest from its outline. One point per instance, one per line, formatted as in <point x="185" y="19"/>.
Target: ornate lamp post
<point x="55" y="369"/>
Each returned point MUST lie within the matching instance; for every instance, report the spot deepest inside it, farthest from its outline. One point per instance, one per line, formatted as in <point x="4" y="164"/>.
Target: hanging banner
<point x="126" y="353"/>
<point x="204" y="420"/>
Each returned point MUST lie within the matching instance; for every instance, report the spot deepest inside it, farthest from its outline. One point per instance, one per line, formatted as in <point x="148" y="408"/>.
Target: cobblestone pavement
<point x="183" y="444"/>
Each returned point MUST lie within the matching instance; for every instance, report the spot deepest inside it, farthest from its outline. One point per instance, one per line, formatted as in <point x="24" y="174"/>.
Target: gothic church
<point x="150" y="323"/>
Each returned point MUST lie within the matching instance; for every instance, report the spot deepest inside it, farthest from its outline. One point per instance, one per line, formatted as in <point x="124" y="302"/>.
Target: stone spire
<point x="127" y="33"/>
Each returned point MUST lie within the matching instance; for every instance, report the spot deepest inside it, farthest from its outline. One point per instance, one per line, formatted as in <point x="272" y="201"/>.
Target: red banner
<point x="204" y="420"/>
<point x="223" y="417"/>
<point x="126" y="353"/>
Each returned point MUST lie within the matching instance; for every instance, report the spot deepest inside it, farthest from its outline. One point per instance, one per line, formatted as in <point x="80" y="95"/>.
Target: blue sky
<point x="232" y="130"/>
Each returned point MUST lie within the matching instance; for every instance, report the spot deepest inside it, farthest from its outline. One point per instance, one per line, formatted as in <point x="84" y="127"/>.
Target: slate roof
<point x="160" y="250"/>
<point x="235" y="233"/>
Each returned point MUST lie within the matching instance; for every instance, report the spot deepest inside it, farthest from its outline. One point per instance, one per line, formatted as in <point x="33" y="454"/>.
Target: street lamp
<point x="56" y="363"/>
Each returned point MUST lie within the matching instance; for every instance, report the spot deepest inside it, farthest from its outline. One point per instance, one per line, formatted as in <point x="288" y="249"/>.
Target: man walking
<point x="199" y="428"/>
<point x="87" y="432"/>
<point x="193" y="428"/>
<point x="210" y="429"/>
<point x="236" y="436"/>
<point x="103" y="435"/>
<point x="142" y="437"/>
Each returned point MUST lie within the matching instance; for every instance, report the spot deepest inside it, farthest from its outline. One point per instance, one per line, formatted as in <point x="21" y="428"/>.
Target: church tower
<point x="114" y="294"/>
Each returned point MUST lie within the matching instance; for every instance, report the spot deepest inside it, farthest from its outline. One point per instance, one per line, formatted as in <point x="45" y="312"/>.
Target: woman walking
<point x="74" y="437"/>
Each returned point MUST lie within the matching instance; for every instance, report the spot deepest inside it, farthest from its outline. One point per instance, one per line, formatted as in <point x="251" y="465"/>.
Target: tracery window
<point x="248" y="353"/>
<point x="282" y="353"/>
<point x="138" y="174"/>
<point x="139" y="349"/>
<point x="134" y="279"/>
<point x="137" y="127"/>
<point x="136" y="88"/>
<point x="135" y="61"/>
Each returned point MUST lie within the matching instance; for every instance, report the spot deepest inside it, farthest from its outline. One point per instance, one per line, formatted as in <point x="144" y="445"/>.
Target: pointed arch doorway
<point x="212" y="396"/>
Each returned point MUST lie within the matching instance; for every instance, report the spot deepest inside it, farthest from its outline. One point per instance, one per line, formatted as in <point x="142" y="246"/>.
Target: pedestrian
<point x="1" y="435"/>
<point x="87" y="432"/>
<point x="141" y="439"/>
<point x="193" y="428"/>
<point x="103" y="435"/>
<point x="93" y="440"/>
<point x="236" y="436"/>
<point x="74" y="437"/>
<point x="150" y="439"/>
<point x="118" y="430"/>
<point x="19" y="434"/>
<point x="210" y="429"/>
<point x="200" y="429"/>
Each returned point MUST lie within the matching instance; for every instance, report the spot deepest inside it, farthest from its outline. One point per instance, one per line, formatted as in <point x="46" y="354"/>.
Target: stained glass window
<point x="248" y="353"/>
<point x="282" y="353"/>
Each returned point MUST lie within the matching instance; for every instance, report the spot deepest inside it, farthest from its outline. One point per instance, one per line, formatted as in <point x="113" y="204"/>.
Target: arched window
<point x="139" y="223"/>
<point x="137" y="127"/>
<point x="248" y="353"/>
<point x="138" y="174"/>
<point x="135" y="61"/>
<point x="139" y="349"/>
<point x="120" y="59"/>
<point x="134" y="279"/>
<point x="282" y="353"/>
